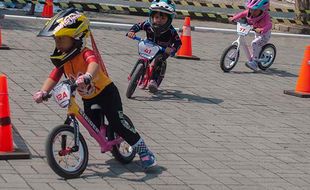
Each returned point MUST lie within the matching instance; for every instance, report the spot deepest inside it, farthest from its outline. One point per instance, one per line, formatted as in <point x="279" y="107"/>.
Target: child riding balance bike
<point x="72" y="58"/>
<point x="159" y="30"/>
<point x="256" y="18"/>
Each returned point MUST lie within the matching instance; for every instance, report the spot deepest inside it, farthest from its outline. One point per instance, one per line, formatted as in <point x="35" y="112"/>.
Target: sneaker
<point x="252" y="65"/>
<point x="148" y="160"/>
<point x="153" y="86"/>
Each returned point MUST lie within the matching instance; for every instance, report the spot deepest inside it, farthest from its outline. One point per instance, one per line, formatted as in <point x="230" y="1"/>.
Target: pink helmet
<point x="258" y="4"/>
<point x="254" y="5"/>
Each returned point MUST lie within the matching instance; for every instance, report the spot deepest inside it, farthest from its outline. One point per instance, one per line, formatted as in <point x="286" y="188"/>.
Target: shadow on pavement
<point x="116" y="170"/>
<point x="270" y="71"/>
<point x="278" y="72"/>
<point x="179" y="96"/>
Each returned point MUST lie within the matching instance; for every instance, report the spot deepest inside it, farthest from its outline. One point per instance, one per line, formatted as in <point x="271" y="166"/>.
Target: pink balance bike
<point x="66" y="149"/>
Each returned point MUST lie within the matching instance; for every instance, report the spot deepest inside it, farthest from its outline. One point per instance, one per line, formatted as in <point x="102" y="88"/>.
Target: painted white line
<point x="288" y="34"/>
<point x="114" y="5"/>
<point x="215" y="29"/>
<point x="110" y="24"/>
<point x="197" y="28"/>
<point x="25" y="17"/>
<point x="40" y="18"/>
<point x="233" y="30"/>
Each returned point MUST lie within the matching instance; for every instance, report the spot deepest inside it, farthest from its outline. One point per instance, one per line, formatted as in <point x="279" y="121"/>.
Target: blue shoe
<point x="148" y="160"/>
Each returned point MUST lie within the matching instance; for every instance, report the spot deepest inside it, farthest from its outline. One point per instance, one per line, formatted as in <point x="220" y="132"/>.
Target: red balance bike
<point x="142" y="72"/>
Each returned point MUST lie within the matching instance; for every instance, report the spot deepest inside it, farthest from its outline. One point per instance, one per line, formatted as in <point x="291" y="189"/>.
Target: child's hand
<point x="230" y="19"/>
<point x="258" y="30"/>
<point x="38" y="97"/>
<point x="131" y="34"/>
<point x="84" y="80"/>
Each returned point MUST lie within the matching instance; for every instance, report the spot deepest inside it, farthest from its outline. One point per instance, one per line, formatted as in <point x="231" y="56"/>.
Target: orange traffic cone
<point x="185" y="52"/>
<point x="7" y="148"/>
<point x="2" y="46"/>
<point x="48" y="9"/>
<point x="6" y="138"/>
<point x="303" y="85"/>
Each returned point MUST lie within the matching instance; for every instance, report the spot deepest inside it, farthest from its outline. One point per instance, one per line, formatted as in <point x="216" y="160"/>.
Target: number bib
<point x="243" y="29"/>
<point x="148" y="49"/>
<point x="61" y="94"/>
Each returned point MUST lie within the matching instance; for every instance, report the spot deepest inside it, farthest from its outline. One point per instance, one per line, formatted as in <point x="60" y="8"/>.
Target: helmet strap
<point x="97" y="54"/>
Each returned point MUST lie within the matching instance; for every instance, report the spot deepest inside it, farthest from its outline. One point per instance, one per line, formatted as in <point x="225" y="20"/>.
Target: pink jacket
<point x="264" y="23"/>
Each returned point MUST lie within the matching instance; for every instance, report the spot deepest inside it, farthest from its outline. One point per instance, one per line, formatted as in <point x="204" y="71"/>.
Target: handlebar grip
<point x="137" y="38"/>
<point x="45" y="98"/>
<point x="73" y="86"/>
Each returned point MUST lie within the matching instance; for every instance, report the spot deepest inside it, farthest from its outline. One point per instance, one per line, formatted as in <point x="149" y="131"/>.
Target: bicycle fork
<point x="75" y="148"/>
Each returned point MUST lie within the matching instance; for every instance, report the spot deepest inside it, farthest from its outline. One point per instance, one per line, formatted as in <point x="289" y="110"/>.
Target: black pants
<point x="158" y="66"/>
<point x="111" y="106"/>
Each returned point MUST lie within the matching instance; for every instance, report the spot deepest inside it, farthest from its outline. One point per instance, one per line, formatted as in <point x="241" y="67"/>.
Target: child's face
<point x="64" y="43"/>
<point x="255" y="13"/>
<point x="160" y="18"/>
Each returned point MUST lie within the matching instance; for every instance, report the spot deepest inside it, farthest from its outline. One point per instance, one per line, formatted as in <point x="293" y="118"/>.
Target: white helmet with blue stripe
<point x="162" y="6"/>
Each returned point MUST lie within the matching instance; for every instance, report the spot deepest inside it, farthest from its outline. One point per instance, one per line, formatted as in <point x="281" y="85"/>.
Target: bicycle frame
<point x="99" y="134"/>
<point x="149" y="66"/>
<point x="243" y="30"/>
<point x="242" y="42"/>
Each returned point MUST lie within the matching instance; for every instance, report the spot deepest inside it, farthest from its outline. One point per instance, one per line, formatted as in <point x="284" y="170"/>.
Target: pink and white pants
<point x="257" y="44"/>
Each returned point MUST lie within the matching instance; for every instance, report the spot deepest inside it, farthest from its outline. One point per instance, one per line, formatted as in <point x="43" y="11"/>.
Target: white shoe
<point x="252" y="65"/>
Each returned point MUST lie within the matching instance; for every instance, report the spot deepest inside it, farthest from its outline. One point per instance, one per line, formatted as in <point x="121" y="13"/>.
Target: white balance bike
<point x="231" y="54"/>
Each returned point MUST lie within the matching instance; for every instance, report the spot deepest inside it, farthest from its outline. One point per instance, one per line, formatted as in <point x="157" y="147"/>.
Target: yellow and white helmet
<point x="69" y="22"/>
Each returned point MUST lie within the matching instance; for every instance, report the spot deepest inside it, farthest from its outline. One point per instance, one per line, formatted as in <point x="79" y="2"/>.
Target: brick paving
<point x="208" y="129"/>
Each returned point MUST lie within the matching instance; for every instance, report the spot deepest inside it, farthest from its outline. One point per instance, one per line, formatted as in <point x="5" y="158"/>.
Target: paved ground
<point x="209" y="130"/>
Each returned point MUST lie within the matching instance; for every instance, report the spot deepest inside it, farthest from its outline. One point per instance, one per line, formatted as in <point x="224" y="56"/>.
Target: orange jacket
<point x="78" y="66"/>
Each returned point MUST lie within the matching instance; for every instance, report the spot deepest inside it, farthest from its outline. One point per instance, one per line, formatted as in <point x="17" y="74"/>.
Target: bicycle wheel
<point x="162" y="73"/>
<point x="123" y="152"/>
<point x="267" y="56"/>
<point x="229" y="58"/>
<point x="135" y="78"/>
<point x="60" y="153"/>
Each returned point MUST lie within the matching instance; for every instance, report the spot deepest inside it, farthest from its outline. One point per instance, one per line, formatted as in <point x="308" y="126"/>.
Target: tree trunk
<point x="302" y="5"/>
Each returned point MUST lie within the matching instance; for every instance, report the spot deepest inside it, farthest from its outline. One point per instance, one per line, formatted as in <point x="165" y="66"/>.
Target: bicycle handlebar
<point x="73" y="87"/>
<point x="162" y="49"/>
<point x="137" y="38"/>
